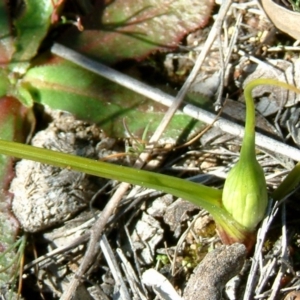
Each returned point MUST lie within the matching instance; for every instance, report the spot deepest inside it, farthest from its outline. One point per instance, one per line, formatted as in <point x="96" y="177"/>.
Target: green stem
<point x="293" y="178"/>
<point x="207" y="197"/>
<point x="248" y="145"/>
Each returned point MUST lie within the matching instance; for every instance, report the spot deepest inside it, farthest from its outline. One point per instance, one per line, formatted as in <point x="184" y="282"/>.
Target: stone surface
<point x="45" y="195"/>
<point x="216" y="269"/>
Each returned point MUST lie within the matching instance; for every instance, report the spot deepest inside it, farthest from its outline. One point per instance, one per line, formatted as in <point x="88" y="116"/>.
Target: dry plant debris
<point x="150" y="231"/>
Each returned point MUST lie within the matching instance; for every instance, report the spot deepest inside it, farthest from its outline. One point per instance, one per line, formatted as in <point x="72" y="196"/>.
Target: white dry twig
<point x="160" y="284"/>
<point x="167" y="100"/>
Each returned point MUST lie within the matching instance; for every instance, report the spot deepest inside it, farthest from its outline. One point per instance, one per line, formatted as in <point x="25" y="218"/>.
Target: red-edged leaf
<point x="13" y="124"/>
<point x="130" y="29"/>
<point x="6" y="40"/>
<point x="31" y="27"/>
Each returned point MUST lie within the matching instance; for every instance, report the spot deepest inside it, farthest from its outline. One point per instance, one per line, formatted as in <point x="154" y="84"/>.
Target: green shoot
<point x="236" y="221"/>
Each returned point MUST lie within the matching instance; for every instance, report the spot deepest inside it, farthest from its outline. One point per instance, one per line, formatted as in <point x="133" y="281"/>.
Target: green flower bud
<point x="245" y="193"/>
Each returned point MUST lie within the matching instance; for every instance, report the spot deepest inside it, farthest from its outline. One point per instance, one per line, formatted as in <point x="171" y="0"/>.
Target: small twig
<point x="114" y="268"/>
<point x="132" y="279"/>
<point x="284" y="255"/>
<point x="80" y="240"/>
<point x="224" y="59"/>
<point x="137" y="265"/>
<point x="200" y="134"/>
<point x="95" y="235"/>
<point x="218" y="102"/>
<point x="266" y="272"/>
<point x="160" y="284"/>
<point x="261" y="235"/>
<point x="216" y="28"/>
<point x="283" y="48"/>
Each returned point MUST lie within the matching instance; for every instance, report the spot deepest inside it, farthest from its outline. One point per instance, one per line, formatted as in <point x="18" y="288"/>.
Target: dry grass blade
<point x="115" y="270"/>
<point x="132" y="279"/>
<point x="257" y="257"/>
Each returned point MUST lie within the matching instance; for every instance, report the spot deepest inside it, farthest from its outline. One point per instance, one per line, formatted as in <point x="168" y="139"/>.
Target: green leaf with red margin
<point x="6" y="40"/>
<point x="63" y="85"/>
<point x="130" y="29"/>
<point x="14" y="118"/>
<point x="32" y="24"/>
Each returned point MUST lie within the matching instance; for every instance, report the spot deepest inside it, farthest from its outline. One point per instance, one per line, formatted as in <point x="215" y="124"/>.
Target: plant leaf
<point x="206" y="197"/>
<point x="63" y="85"/>
<point x="288" y="184"/>
<point x="4" y="82"/>
<point x="31" y="26"/>
<point x="130" y="29"/>
<point x="201" y="195"/>
<point x="6" y="40"/>
<point x="13" y="122"/>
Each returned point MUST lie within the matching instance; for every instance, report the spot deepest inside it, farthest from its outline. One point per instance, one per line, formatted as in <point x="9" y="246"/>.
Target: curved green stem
<point x="249" y="139"/>
<point x="293" y="178"/>
<point x="245" y="194"/>
<point x="248" y="144"/>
